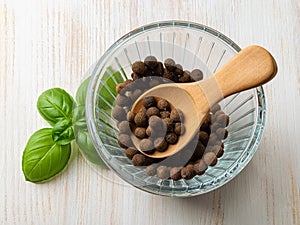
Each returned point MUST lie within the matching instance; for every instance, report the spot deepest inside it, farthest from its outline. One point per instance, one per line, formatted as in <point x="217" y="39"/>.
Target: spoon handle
<point x="251" y="67"/>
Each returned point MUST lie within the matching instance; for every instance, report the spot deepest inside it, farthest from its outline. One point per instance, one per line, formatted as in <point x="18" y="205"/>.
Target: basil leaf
<point x="62" y="132"/>
<point x="81" y="91"/>
<point x="55" y="104"/>
<point x="86" y="147"/>
<point x="42" y="157"/>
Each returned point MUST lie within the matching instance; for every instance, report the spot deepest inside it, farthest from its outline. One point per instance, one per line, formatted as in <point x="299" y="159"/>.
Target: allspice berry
<point x="148" y="131"/>
<point x="175" y="173"/>
<point x="203" y="137"/>
<point x="140" y="119"/>
<point x="130" y="152"/>
<point x="152" y="111"/>
<point x="122" y="100"/>
<point x="159" y="69"/>
<point x="138" y="67"/>
<point x="163" y="104"/>
<point x="139" y="160"/>
<point x="136" y="94"/>
<point x="223" y="119"/>
<point x="130" y="116"/>
<point x="169" y="124"/>
<point x="155" y="122"/>
<point x="163" y="172"/>
<point x="151" y="169"/>
<point x="165" y="114"/>
<point x="222" y="133"/>
<point x="196" y="75"/>
<point x="150" y="62"/>
<point x="215" y="108"/>
<point x="179" y="128"/>
<point x="160" y="144"/>
<point x="140" y="132"/>
<point x="146" y="145"/>
<point x="178" y="70"/>
<point x="185" y="78"/>
<point x="218" y="150"/>
<point x="200" y="167"/>
<point x="187" y="172"/>
<point x="124" y="127"/>
<point x="171" y="138"/>
<point x="176" y="115"/>
<point x="118" y="113"/>
<point x="119" y="87"/>
<point x="149" y="101"/>
<point x="169" y="64"/>
<point x="124" y="140"/>
<point x="210" y="158"/>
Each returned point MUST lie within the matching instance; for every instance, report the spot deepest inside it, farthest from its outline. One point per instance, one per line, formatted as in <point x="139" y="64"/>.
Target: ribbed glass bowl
<point x="193" y="46"/>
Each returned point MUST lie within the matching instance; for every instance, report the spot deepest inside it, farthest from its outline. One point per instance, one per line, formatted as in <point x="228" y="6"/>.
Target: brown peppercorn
<point x="196" y="75"/>
<point x="222" y="133"/>
<point x="122" y="100"/>
<point x="130" y="152"/>
<point x="175" y="173"/>
<point x="171" y="138"/>
<point x="179" y="128"/>
<point x="124" y="127"/>
<point x="169" y="124"/>
<point x="169" y="64"/>
<point x="160" y="144"/>
<point x="200" y="167"/>
<point x="151" y="170"/>
<point x="203" y="137"/>
<point x="159" y="69"/>
<point x="149" y="101"/>
<point x="214" y="126"/>
<point x="138" y="67"/>
<point x="118" y="113"/>
<point x="185" y="78"/>
<point x="176" y="115"/>
<point x="152" y="111"/>
<point x="146" y="145"/>
<point x="178" y="70"/>
<point x="163" y="172"/>
<point x="205" y="125"/>
<point x="165" y="114"/>
<point x="218" y="150"/>
<point x="140" y="119"/>
<point x="150" y="62"/>
<point x="210" y="158"/>
<point x="215" y="108"/>
<point x="149" y="131"/>
<point x="139" y="160"/>
<point x="187" y="172"/>
<point x="140" y="132"/>
<point x="130" y="116"/>
<point x="163" y="104"/>
<point x="124" y="140"/>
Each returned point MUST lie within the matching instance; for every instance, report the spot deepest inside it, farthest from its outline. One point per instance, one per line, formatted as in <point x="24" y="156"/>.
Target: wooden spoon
<point x="251" y="67"/>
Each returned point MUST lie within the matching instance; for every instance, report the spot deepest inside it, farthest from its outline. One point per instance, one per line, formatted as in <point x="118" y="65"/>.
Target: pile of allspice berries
<point x="157" y="125"/>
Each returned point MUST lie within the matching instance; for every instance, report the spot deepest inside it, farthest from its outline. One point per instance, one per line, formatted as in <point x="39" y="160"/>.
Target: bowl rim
<point x="237" y="166"/>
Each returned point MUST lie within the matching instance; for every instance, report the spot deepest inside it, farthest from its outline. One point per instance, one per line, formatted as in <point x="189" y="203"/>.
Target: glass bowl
<point x="193" y="46"/>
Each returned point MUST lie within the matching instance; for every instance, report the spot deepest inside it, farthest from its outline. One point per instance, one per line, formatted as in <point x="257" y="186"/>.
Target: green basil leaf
<point x="42" y="157"/>
<point x="86" y="147"/>
<point x="55" y="104"/>
<point x="62" y="132"/>
<point x="81" y="91"/>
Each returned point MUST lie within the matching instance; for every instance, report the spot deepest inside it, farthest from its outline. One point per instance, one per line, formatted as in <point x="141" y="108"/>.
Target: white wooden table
<point x="45" y="44"/>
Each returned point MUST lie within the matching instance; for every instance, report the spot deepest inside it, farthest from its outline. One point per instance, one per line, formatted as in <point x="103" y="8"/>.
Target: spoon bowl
<point x="251" y="67"/>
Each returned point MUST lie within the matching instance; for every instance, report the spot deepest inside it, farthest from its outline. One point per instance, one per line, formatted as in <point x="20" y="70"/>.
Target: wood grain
<point x="44" y="44"/>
